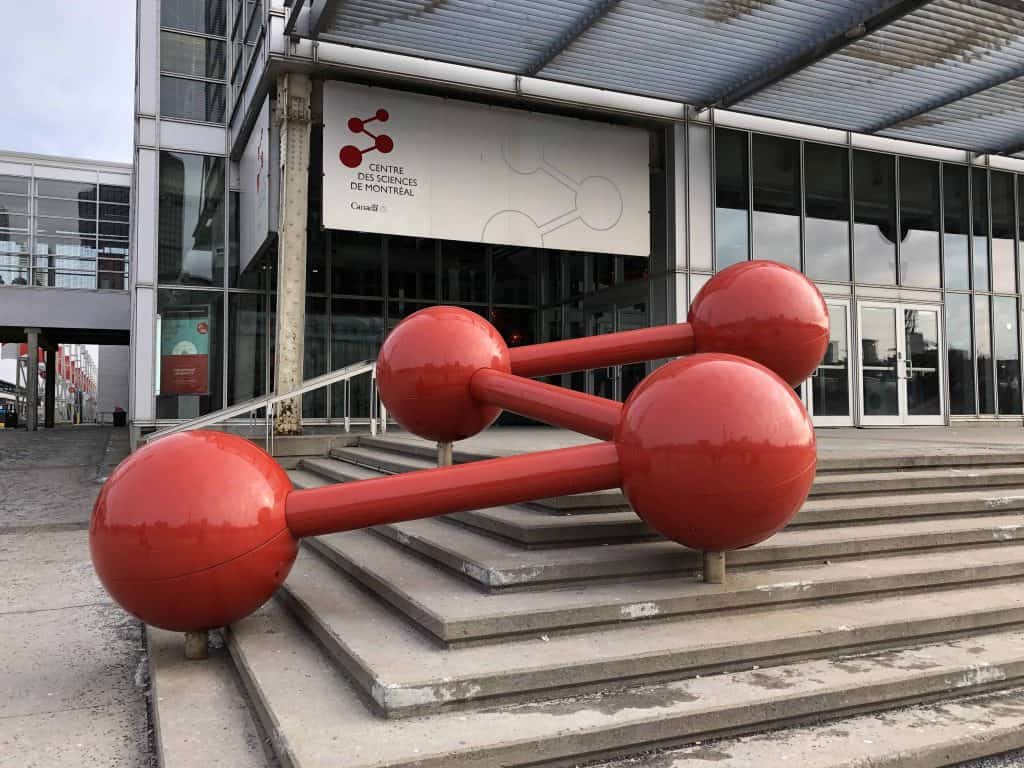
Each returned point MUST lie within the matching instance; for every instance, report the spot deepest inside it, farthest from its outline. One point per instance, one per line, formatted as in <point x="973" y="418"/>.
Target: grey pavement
<point x="73" y="676"/>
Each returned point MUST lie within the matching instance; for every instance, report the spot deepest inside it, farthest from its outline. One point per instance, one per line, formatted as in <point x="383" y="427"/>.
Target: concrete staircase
<point x="566" y="632"/>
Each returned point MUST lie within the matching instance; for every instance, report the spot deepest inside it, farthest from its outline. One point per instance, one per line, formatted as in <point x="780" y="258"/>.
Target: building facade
<point x="297" y="197"/>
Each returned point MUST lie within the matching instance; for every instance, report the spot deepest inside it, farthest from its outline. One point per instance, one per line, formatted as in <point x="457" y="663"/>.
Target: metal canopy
<point x="948" y="72"/>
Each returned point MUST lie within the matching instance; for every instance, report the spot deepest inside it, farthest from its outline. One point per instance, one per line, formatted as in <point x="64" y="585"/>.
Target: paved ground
<point x="73" y="674"/>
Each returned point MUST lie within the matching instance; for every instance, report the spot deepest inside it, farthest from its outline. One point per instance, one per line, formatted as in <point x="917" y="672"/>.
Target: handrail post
<point x="346" y="403"/>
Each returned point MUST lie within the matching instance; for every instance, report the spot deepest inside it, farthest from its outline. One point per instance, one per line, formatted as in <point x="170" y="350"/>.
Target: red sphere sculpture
<point x="190" y="533"/>
<point x="764" y="311"/>
<point x="424" y="369"/>
<point x="716" y="452"/>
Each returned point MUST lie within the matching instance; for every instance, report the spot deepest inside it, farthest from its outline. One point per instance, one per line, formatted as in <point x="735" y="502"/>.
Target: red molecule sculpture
<point x="714" y="451"/>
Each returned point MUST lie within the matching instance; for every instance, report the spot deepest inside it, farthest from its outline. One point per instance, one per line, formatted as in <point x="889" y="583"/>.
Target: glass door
<point x="617" y="381"/>
<point x="827" y="392"/>
<point x="900" y="365"/>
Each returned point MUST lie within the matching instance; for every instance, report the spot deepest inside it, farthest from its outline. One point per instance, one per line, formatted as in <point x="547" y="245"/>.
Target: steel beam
<point x="320" y="14"/>
<point x="890" y="12"/>
<point x="594" y="14"/>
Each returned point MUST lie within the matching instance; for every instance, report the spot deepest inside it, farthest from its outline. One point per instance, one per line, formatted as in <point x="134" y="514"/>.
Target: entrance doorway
<point x="827" y="392"/>
<point x="617" y="381"/>
<point x="900" y="364"/>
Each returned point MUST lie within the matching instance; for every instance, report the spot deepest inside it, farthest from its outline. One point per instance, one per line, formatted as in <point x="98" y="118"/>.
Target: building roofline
<point x="61" y="161"/>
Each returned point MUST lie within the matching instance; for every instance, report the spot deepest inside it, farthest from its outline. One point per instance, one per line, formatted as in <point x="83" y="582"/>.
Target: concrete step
<point x="529" y="526"/>
<point x="404" y="672"/>
<point x="934" y="735"/>
<point x="917" y="480"/>
<point x="455" y="611"/>
<point x="496" y="564"/>
<point x="201" y="715"/>
<point x="316" y="718"/>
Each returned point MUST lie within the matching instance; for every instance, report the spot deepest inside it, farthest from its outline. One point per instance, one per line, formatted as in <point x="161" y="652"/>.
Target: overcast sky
<point x="68" y="78"/>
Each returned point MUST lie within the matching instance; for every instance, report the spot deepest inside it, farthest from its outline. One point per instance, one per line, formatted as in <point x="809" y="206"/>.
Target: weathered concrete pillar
<point x="293" y="117"/>
<point x="32" y="385"/>
<point x="714" y="567"/>
<point x="51" y="387"/>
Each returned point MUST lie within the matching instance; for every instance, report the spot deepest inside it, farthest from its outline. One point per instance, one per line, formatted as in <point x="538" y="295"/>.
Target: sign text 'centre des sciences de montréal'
<point x="408" y="164"/>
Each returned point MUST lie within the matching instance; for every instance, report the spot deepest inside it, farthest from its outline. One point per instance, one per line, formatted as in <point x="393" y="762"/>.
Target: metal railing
<point x="344" y="376"/>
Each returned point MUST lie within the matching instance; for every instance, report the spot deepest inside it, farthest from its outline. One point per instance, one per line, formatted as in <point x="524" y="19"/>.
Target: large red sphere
<point x="764" y="311"/>
<point x="189" y="533"/>
<point x="424" y="368"/>
<point x="716" y="452"/>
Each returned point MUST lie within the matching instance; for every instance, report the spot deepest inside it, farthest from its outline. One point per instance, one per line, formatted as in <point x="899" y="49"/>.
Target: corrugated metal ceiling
<point x="947" y="72"/>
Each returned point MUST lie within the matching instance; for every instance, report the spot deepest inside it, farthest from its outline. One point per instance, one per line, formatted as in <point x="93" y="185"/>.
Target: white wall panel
<point x="701" y="208"/>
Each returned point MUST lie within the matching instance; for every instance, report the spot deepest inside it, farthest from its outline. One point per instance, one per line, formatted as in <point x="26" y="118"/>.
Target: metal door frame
<point x="807" y="390"/>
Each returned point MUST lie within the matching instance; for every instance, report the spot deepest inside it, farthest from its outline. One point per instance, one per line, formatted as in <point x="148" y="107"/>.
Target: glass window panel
<point x="604" y="270"/>
<point x="463" y="271"/>
<point x="205" y="16"/>
<point x="732" y="198"/>
<point x="68" y="209"/>
<point x="831" y="381"/>
<point x="315" y="361"/>
<point x="14" y="221"/>
<point x="516" y="326"/>
<point x="957" y="210"/>
<point x="515" y="275"/>
<point x="113" y="229"/>
<point x="576" y="272"/>
<point x="919" y="223"/>
<point x="874" y="216"/>
<point x="190" y="353"/>
<point x="110" y="193"/>
<point x="356" y="264"/>
<point x="412" y="268"/>
<point x="983" y="355"/>
<point x="111" y="212"/>
<point x="775" y="165"/>
<point x="357" y="331"/>
<point x="399" y="310"/>
<point x="316" y="260"/>
<point x="13" y="204"/>
<point x="1004" y="268"/>
<point x="827" y="226"/>
<point x="921" y="337"/>
<point x="979" y="229"/>
<point x="65" y="227"/>
<point x="1020" y="224"/>
<point x="75" y="190"/>
<point x="1004" y="316"/>
<point x="13" y="265"/>
<point x="191" y="99"/>
<point x="13" y="242"/>
<point x="191" y="55"/>
<point x="191" y="219"/>
<point x="14" y="185"/>
<point x="112" y="264"/>
<point x="247" y="346"/>
<point x="635" y="268"/>
<point x="65" y="246"/>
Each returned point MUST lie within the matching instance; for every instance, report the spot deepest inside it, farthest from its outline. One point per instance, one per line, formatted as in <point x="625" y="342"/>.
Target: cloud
<point x="68" y="78"/>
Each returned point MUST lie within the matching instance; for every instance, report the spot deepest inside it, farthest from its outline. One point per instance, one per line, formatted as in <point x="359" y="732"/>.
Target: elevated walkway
<point x="566" y="632"/>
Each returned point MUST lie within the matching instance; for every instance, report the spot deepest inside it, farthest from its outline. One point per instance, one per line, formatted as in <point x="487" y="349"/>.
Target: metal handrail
<point x="268" y="401"/>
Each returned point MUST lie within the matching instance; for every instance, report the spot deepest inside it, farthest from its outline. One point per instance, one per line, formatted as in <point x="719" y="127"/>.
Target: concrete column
<point x="32" y="385"/>
<point x="51" y="387"/>
<point x="293" y="117"/>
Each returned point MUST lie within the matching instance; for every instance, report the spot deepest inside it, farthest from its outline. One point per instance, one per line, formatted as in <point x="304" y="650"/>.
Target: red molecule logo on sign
<point x="351" y="156"/>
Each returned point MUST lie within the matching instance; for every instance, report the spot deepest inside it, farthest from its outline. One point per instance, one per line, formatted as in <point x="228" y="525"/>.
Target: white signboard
<point x="408" y="164"/>
<point x="254" y="192"/>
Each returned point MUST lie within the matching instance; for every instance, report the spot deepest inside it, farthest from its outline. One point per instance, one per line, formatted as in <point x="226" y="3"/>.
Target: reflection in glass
<point x="880" y="393"/>
<point x="602" y="379"/>
<point x="775" y="165"/>
<point x="830" y="383"/>
<point x="1004" y="269"/>
<point x="631" y="318"/>
<point x="191" y="99"/>
<point x="874" y="216"/>
<point x="604" y="270"/>
<point x="957" y="210"/>
<point x="959" y="342"/>
<point x="191" y="219"/>
<point x="732" y="198"/>
<point x="827" y="226"/>
<point x="412" y="268"/>
<point x="515" y="325"/>
<point x="191" y="55"/>
<point x="357" y="331"/>
<point x="924" y="392"/>
<point x="247" y="346"/>
<point x="463" y="271"/>
<point x="356" y="264"/>
<point x="315" y="361"/>
<point x="190" y="354"/>
<point x="919" y="223"/>
<point x="1004" y="317"/>
<point x="206" y="16"/>
<point x="983" y="353"/>
<point x="979" y="229"/>
<point x="515" y="275"/>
